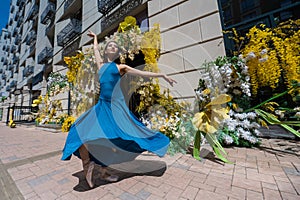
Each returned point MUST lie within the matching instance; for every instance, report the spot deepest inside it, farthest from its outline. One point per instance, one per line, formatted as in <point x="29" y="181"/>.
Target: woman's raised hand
<point x="91" y="34"/>
<point x="169" y="80"/>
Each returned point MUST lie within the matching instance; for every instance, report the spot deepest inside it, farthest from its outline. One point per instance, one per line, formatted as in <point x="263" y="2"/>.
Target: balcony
<point x="15" y="59"/>
<point x="11" y="75"/>
<point x="10" y="67"/>
<point x="16" y="17"/>
<point x="7" y="48"/>
<point x="28" y="71"/>
<point x="105" y="6"/>
<point x="20" y="21"/>
<point x="38" y="78"/>
<point x="12" y="9"/>
<point x="13" y="84"/>
<point x="31" y="37"/>
<point x="48" y="13"/>
<point x="31" y="49"/>
<point x="18" y="39"/>
<point x="20" y="3"/>
<point x="119" y="14"/>
<point x="13" y="48"/>
<point x="15" y="31"/>
<point x="50" y="30"/>
<point x="8" y="88"/>
<point x="68" y="4"/>
<point x="32" y="12"/>
<point x="69" y="32"/>
<point x="45" y="55"/>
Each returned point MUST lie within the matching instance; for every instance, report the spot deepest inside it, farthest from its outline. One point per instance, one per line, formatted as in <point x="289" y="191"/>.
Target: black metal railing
<point x="15" y="59"/>
<point x="20" y="21"/>
<point x="32" y="12"/>
<point x="69" y="32"/>
<point x="10" y="67"/>
<point x="15" y="32"/>
<point x="38" y="78"/>
<point x="48" y="13"/>
<point x="7" y="48"/>
<point x="105" y="6"/>
<point x="13" y="48"/>
<point x="49" y="28"/>
<point x="18" y="40"/>
<point x="11" y="75"/>
<point x="31" y="37"/>
<point x="45" y="54"/>
<point x="21" y="114"/>
<point x="120" y="13"/>
<point x="13" y="84"/>
<point x="68" y="3"/>
<point x="28" y="71"/>
<point x="31" y="48"/>
<point x="20" y="2"/>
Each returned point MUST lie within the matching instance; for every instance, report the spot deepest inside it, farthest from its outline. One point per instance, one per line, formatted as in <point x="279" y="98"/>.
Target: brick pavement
<point x="30" y="168"/>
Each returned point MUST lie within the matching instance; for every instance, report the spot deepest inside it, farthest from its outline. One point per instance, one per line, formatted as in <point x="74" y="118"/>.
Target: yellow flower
<point x="209" y="120"/>
<point x="67" y="60"/>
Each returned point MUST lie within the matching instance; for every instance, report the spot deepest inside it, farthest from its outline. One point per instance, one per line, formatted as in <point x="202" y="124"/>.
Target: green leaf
<point x="271" y="119"/>
<point x="217" y="148"/>
<point x="196" y="149"/>
<point x="220" y="156"/>
<point x="290" y="129"/>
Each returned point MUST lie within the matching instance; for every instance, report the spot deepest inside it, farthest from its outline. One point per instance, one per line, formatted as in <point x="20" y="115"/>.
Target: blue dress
<point x="112" y="133"/>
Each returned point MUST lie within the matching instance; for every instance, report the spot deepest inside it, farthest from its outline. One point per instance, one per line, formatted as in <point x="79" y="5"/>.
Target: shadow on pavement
<point x="124" y="171"/>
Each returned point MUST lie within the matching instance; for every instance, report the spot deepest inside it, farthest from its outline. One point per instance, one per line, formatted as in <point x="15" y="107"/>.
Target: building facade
<point x="244" y="14"/>
<point x="39" y="34"/>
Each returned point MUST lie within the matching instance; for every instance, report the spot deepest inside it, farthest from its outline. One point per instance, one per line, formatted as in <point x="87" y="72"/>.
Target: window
<point x="247" y="5"/>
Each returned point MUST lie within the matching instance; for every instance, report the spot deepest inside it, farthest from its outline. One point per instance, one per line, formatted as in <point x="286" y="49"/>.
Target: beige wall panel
<point x="167" y="19"/>
<point x="182" y="36"/>
<point x="193" y="9"/>
<point x="168" y="3"/>
<point x="211" y="27"/>
<point x="215" y="48"/>
<point x="154" y="7"/>
<point x="186" y="83"/>
<point x="195" y="56"/>
<point x="172" y="61"/>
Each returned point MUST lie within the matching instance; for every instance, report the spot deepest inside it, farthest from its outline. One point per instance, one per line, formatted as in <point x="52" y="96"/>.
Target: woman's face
<point x="112" y="48"/>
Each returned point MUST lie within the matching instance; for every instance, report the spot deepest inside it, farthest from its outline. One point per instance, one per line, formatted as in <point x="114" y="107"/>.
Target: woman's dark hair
<point x="116" y="60"/>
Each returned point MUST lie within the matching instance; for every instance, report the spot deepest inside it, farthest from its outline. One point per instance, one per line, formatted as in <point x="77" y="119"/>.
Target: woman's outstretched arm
<point x="98" y="58"/>
<point x="126" y="69"/>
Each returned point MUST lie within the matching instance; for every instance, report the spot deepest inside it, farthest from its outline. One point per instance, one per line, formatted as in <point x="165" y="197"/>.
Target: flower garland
<point x="73" y="63"/>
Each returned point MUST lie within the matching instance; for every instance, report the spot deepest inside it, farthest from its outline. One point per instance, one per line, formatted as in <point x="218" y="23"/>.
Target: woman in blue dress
<point x="108" y="133"/>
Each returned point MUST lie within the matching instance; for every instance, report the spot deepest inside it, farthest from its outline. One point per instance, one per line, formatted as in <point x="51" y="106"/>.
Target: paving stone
<point x="271" y="194"/>
<point x="253" y="195"/>
<point x="289" y="196"/>
<point x="143" y="194"/>
<point x="190" y="192"/>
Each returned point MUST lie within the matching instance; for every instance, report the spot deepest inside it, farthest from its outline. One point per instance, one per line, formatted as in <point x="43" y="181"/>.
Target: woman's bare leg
<point x="87" y="165"/>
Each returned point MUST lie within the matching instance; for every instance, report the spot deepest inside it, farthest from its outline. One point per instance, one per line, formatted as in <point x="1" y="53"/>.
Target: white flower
<point x="264" y="59"/>
<point x="251" y="55"/>
<point x="228" y="140"/>
<point x="263" y="52"/>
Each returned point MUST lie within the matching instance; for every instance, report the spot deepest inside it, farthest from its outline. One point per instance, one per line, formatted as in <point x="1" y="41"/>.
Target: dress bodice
<point x="109" y="77"/>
